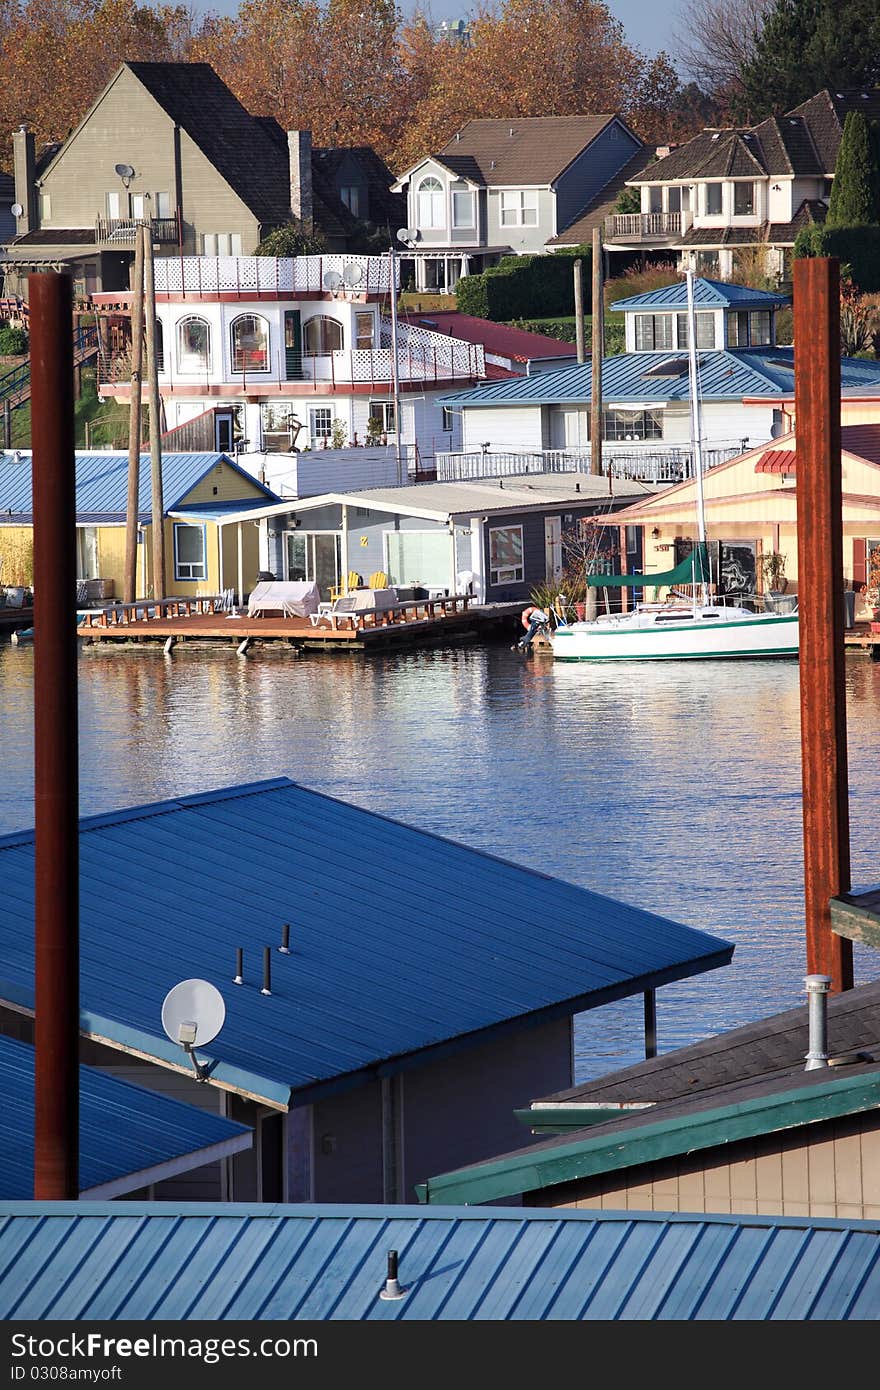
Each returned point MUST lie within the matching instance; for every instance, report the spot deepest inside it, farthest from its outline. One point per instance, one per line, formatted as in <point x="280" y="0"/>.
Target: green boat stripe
<point x="685" y="656"/>
<point x="609" y="630"/>
<point x="531" y="1171"/>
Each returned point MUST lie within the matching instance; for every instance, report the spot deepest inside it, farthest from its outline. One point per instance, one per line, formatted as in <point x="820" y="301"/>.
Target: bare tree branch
<point x="714" y="38"/>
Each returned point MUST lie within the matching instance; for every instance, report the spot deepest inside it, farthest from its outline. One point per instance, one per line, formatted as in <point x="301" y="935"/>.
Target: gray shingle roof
<point x="518" y="150"/>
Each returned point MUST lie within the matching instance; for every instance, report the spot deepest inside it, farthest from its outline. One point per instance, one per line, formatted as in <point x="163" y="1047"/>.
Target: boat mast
<point x="696" y="432"/>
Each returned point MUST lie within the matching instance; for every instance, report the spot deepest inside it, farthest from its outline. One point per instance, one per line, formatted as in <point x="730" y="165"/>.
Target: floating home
<point x="427" y="992"/>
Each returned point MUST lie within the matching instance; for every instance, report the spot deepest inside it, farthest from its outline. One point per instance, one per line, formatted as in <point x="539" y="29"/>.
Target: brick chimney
<point x="299" y="144"/>
<point x="25" y="159"/>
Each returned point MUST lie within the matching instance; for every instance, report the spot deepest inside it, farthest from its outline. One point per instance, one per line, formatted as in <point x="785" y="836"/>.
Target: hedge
<point x="564" y="329"/>
<point x="855" y="247"/>
<point x="525" y="287"/>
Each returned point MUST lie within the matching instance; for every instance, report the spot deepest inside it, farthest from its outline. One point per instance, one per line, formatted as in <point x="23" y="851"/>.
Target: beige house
<point x="751" y="512"/>
<point x="168" y="144"/>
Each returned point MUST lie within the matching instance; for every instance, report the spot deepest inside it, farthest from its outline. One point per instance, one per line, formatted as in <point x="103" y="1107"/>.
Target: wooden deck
<point x="431" y="622"/>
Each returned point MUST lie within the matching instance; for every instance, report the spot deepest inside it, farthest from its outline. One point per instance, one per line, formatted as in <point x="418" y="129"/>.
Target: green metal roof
<point x="622" y="1144"/>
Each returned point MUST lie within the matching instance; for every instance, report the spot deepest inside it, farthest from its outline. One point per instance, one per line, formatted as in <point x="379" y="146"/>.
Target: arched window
<point x="193" y="345"/>
<point x="321" y="335"/>
<point x="432" y="203"/>
<point x="250" y="344"/>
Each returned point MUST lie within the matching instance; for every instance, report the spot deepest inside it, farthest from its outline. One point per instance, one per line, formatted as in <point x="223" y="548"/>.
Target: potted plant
<point x="872" y="587"/>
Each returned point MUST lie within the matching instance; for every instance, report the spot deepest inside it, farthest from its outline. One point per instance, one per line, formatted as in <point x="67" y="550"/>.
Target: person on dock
<point x="532" y="618"/>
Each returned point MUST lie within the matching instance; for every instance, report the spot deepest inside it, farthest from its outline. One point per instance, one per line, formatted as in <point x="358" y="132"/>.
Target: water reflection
<point x="677" y="788"/>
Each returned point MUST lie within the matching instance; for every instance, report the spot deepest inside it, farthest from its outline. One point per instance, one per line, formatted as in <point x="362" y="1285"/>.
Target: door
<point x="293" y="357"/>
<point x="553" y="548"/>
<point x="87" y="552"/>
<point x="325" y="562"/>
<point x="223" y="432"/>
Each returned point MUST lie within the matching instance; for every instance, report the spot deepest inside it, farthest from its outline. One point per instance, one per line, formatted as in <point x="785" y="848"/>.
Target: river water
<point x="675" y="787"/>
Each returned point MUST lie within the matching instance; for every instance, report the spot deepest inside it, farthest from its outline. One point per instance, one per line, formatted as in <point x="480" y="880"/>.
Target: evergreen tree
<point x="806" y="45"/>
<point x="855" y="193"/>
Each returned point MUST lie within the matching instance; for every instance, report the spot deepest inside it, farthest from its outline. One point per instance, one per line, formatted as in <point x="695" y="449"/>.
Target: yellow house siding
<point x="826" y="1169"/>
<point x="111" y="556"/>
<point x="17" y="555"/>
<point x="222" y="484"/>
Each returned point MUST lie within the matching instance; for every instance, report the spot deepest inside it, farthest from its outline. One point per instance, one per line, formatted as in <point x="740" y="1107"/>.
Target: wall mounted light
<point x="655" y="534"/>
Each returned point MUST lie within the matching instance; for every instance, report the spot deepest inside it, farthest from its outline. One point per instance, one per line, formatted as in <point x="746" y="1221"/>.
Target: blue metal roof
<point x="102" y="483"/>
<point x="400" y="940"/>
<point x="634" y="376"/>
<point x="124" y="1129"/>
<point x="708" y="294"/>
<point x="164" y="1261"/>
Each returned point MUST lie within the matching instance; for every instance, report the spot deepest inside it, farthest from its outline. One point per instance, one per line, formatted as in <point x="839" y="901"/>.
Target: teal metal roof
<point x="727" y="1114"/>
<point x="102" y="483"/>
<point x="127" y="1133"/>
<point x="655" y="377"/>
<point x="165" y="1261"/>
<point x="401" y="941"/>
<point x="708" y="294"/>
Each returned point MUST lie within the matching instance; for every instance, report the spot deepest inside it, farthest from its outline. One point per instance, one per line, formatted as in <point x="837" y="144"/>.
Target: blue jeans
<point x="534" y="627"/>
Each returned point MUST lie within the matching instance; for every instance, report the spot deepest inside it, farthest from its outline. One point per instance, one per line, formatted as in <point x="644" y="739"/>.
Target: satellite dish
<point x="16" y="209"/>
<point x="193" y="1013"/>
<point x="124" y="171"/>
<point x="353" y="274"/>
<point x="408" y="234"/>
<point x="332" y="280"/>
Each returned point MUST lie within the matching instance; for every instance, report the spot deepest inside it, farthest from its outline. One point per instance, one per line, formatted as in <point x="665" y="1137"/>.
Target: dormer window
<point x="743" y="200"/>
<point x="752" y="328"/>
<point x="432" y="204"/>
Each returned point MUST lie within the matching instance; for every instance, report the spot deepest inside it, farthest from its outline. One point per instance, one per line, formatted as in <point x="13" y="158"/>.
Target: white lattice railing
<point x="649" y="465"/>
<point x="214" y="274"/>
<point x="423" y="345"/>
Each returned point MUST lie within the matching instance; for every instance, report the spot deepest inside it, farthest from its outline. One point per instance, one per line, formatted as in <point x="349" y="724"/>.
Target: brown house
<point x="734" y="1124"/>
<point x="169" y="144"/>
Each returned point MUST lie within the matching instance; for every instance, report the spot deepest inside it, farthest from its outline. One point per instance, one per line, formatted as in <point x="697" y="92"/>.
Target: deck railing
<point x="645" y="226"/>
<point x="670" y="465"/>
<point x="162" y="610"/>
<point x="122" y="231"/>
<point x="249" y="275"/>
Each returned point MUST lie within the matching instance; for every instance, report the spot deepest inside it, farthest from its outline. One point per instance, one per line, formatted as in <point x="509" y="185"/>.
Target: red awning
<point x="777" y="461"/>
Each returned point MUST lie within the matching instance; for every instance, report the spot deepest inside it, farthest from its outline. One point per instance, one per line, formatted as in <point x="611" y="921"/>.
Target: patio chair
<point x="379" y="580"/>
<point x="354" y="582"/>
<point x="342" y="607"/>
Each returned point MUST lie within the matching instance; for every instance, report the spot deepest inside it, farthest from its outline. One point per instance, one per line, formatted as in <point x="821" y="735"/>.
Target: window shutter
<point x="860" y="561"/>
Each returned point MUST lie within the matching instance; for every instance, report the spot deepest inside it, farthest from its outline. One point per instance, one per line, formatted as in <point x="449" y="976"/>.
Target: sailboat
<point x="680" y="630"/>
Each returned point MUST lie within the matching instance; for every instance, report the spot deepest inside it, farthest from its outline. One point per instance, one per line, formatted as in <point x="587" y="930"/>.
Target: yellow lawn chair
<point x="354" y="581"/>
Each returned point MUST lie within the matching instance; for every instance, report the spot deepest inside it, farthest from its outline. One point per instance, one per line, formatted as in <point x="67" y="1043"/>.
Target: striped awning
<point x="777" y="461"/>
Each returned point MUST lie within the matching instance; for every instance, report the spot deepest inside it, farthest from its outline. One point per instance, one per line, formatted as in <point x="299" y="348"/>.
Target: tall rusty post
<point x="820" y="606"/>
<point x="129" y="593"/>
<point x="56" y="784"/>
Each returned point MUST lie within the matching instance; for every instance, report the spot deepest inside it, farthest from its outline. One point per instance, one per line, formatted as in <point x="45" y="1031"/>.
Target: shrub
<point x="857" y="249"/>
<point x="855" y="192"/>
<point x="525" y="286"/>
<point x="636" y="281"/>
<point x="565" y="330"/>
<point x="13" y="341"/>
<point x="291" y="240"/>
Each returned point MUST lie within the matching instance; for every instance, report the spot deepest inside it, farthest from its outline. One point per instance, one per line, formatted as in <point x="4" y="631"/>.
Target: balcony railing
<point x="337" y="275"/>
<point x="122" y="231"/>
<point x="652" y="465"/>
<point x="646" y="226"/>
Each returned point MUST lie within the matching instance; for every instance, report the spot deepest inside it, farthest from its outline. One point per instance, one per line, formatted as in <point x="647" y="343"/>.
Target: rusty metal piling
<point x="821" y="618"/>
<point x="56" y="783"/>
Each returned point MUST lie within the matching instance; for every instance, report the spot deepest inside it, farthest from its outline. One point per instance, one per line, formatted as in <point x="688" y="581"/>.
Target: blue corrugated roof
<point x="102" y="483"/>
<point x="400" y="940"/>
<point x="124" y="1129"/>
<point x="97" y="1261"/>
<point x="708" y="294"/>
<point x="630" y="376"/>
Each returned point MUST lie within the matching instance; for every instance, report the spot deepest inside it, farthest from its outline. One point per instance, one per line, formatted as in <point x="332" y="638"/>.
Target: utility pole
<point x="820" y="605"/>
<point x="395" y="366"/>
<point x="579" y="310"/>
<point x="597" y="346"/>
<point x="134" y="422"/>
<point x="56" y="775"/>
<point x="158" y="527"/>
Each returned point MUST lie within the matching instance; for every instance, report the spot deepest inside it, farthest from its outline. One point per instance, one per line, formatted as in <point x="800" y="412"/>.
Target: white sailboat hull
<point x="687" y="635"/>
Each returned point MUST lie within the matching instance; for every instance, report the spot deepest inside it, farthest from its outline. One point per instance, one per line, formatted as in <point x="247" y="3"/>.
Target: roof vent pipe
<point x="817" y="993"/>
<point x="284" y="948"/>
<point x="238" y="977"/>
<point x="267" y="970"/>
<point x="392" y="1287"/>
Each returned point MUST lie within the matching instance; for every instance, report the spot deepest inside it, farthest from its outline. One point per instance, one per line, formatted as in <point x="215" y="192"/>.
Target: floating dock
<point x="174" y="621"/>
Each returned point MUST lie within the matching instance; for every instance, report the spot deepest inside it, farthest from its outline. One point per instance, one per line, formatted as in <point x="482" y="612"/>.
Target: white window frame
<point x="314" y="412"/>
<point x="431" y="204"/>
<point x="242" y="366"/>
<point x="163" y="205"/>
<point x="511" y="574"/>
<point x="323" y="350"/>
<point x="184" y="368"/>
<point x="137" y="206"/>
<point x="114" y="212"/>
<point x="351" y="197"/>
<point x="383" y="410"/>
<point x="221" y="244"/>
<point x="713" y="183"/>
<point x="745" y="183"/>
<point x="518" y="202"/>
<point x="191" y="565"/>
<point x="469" y="219"/>
<point x="45" y="207"/>
<point x="448" y="425"/>
<point x="364" y="316"/>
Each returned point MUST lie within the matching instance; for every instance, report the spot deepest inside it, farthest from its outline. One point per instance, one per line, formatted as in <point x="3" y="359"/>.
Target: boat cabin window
<point x="678" y="617"/>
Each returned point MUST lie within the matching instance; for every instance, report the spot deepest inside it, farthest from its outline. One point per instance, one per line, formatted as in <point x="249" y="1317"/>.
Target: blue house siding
<point x="590" y="172"/>
<point x="534" y="549"/>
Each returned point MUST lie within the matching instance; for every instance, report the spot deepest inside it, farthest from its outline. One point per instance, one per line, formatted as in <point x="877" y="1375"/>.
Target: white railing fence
<point x="213" y="274"/>
<point x="648" y="465"/>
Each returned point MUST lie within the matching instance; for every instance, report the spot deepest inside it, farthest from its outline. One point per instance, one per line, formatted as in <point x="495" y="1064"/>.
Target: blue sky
<point x="648" y="24"/>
